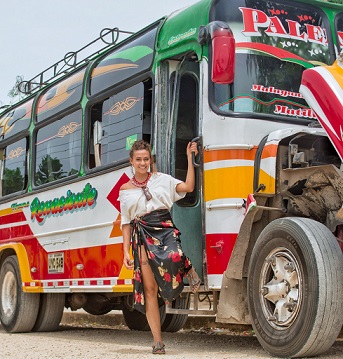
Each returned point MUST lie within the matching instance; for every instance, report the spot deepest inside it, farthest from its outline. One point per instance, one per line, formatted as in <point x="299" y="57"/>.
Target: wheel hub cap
<point x="280" y="290"/>
<point x="9" y="294"/>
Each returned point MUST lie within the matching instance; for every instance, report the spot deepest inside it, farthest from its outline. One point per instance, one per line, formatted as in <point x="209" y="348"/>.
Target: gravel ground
<point x="89" y="339"/>
<point x="72" y="342"/>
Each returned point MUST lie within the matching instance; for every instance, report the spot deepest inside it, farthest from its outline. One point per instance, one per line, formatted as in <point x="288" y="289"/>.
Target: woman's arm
<point x="188" y="185"/>
<point x="126" y="230"/>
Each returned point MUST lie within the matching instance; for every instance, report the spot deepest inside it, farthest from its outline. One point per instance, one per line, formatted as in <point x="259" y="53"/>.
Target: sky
<point x="35" y="34"/>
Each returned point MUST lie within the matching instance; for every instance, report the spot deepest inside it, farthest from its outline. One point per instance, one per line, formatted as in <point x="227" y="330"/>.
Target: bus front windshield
<point x="275" y="42"/>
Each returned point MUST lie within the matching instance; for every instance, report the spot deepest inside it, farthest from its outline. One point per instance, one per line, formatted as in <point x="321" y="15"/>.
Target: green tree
<point x="13" y="181"/>
<point x="49" y="170"/>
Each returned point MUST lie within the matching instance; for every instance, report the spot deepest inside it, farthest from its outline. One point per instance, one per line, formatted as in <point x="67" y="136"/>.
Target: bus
<point x="263" y="227"/>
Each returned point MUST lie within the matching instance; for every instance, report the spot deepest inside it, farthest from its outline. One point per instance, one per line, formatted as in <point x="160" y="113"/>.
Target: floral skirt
<point x="156" y="233"/>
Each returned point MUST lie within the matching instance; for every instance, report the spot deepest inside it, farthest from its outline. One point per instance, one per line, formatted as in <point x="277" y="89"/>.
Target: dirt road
<point x="118" y="342"/>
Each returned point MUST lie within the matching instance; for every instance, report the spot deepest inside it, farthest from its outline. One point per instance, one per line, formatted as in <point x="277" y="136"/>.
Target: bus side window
<point x="13" y="167"/>
<point x="147" y="112"/>
<point x="97" y="134"/>
<point x="58" y="149"/>
<point x="121" y="116"/>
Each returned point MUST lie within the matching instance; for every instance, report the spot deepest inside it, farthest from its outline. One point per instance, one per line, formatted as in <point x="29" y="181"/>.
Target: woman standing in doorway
<point x="159" y="263"/>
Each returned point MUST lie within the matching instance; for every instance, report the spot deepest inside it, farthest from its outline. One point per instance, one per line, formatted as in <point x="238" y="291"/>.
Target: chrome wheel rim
<point x="9" y="294"/>
<point x="281" y="288"/>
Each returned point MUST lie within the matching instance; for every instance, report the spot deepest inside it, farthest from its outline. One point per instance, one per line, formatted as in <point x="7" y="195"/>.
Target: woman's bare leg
<point x="151" y="301"/>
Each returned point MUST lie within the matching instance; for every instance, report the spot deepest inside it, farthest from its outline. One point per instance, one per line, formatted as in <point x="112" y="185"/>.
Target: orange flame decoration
<point x="15" y="153"/>
<point x="122" y="106"/>
<point x="5" y="128"/>
<point x="63" y="131"/>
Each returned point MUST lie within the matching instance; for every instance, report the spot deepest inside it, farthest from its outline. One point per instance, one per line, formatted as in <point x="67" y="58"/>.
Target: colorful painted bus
<point x="263" y="226"/>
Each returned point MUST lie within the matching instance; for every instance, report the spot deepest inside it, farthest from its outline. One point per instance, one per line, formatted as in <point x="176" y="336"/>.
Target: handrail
<point x="70" y="61"/>
<point x="211" y="206"/>
<point x="236" y="146"/>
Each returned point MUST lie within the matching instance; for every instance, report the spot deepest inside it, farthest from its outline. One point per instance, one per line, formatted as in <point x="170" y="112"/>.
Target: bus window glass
<point x="339" y="30"/>
<point x="275" y="42"/>
<point x="124" y="62"/>
<point x="13" y="167"/>
<point x="61" y="96"/>
<point x="58" y="149"/>
<point x="16" y="120"/>
<point x="185" y="130"/>
<point x="116" y="120"/>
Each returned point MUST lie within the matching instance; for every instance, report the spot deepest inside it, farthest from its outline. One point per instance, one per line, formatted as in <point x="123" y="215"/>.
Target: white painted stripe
<point x="92" y="288"/>
<point x="214" y="165"/>
<point x="81" y="285"/>
<point x="310" y="99"/>
<point x="56" y="290"/>
<point x="79" y="289"/>
<point x="75" y="229"/>
<point x="331" y="81"/>
<point x="75" y="281"/>
<point x="224" y="220"/>
<point x="272" y="142"/>
<point x="215" y="281"/>
<point x="268" y="165"/>
<point x="11" y="225"/>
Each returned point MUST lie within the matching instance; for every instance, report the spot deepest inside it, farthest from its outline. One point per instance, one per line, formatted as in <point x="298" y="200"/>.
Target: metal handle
<point x="195" y="164"/>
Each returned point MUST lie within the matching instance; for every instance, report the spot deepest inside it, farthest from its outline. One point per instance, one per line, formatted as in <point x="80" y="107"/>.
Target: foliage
<point x="49" y="170"/>
<point x="13" y="181"/>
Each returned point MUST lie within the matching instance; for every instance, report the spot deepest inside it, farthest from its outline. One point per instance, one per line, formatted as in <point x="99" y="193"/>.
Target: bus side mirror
<point x="223" y="50"/>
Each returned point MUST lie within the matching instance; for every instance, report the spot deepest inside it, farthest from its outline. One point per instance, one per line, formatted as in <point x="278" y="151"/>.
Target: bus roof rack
<point x="71" y="61"/>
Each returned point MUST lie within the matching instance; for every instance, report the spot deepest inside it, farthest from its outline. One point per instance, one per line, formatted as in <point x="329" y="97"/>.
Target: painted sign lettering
<point x="299" y="112"/>
<point x="273" y="90"/>
<point x="41" y="210"/>
<point x="255" y="20"/>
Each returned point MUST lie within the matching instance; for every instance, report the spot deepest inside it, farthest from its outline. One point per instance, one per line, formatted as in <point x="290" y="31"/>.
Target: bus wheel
<point x="174" y="322"/>
<point x="295" y="288"/>
<point x="136" y="320"/>
<point x="50" y="312"/>
<point x="18" y="310"/>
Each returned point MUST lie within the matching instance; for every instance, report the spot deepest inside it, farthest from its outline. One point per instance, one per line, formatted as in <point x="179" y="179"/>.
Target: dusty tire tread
<point x="320" y="253"/>
<point x="26" y="310"/>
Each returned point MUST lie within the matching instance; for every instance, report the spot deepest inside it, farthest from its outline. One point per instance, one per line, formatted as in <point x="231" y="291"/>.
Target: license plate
<point x="56" y="262"/>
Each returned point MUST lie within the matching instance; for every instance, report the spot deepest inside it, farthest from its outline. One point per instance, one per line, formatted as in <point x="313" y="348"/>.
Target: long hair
<point x="143" y="145"/>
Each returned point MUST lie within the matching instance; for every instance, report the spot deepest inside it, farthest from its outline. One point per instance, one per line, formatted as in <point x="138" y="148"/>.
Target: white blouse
<point x="163" y="190"/>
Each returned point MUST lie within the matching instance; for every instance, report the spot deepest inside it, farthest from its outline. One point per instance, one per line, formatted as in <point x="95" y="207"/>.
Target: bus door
<point x="183" y="127"/>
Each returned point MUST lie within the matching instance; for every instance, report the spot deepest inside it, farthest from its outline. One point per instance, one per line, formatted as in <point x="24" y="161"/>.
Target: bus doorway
<point x="185" y="127"/>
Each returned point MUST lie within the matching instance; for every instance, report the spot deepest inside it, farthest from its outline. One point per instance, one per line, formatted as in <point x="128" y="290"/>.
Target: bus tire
<point x="174" y="322"/>
<point x="136" y="320"/>
<point x="295" y="288"/>
<point x="50" y="312"/>
<point x="18" y="310"/>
